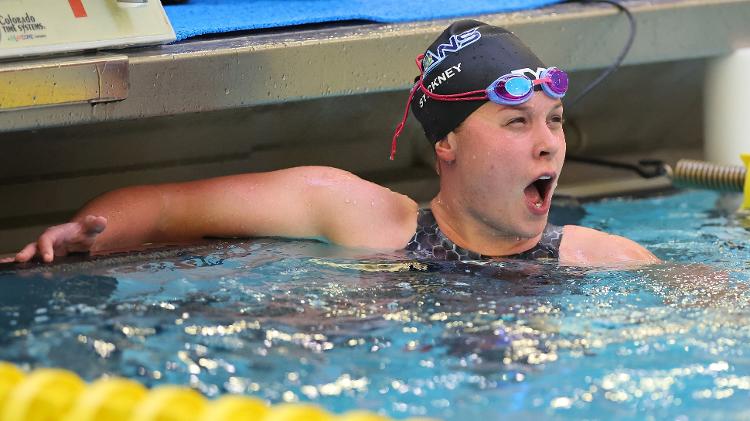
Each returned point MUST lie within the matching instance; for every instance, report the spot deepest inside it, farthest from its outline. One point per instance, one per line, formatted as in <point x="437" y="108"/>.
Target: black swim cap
<point x="467" y="56"/>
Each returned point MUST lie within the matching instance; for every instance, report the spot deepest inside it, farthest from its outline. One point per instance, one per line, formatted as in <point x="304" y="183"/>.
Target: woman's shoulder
<point x="583" y="246"/>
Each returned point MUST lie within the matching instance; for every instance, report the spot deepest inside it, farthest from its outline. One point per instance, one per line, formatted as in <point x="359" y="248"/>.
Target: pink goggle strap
<point x="464" y="96"/>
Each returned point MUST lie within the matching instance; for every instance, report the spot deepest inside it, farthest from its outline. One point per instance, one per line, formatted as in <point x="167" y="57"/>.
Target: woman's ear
<point x="445" y="148"/>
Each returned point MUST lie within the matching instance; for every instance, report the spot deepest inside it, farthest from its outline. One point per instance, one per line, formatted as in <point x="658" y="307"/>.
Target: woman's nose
<point x="547" y="141"/>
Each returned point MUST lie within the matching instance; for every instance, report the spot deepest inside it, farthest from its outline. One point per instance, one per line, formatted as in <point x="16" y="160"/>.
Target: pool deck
<point x="278" y="66"/>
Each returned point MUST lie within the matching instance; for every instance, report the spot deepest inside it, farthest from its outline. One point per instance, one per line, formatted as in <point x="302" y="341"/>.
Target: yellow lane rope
<point x="51" y="394"/>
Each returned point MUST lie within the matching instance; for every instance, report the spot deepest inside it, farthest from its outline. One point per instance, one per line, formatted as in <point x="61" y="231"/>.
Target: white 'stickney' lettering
<point x="439" y="80"/>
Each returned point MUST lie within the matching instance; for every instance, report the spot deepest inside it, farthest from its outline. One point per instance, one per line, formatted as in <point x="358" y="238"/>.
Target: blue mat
<point x="199" y="17"/>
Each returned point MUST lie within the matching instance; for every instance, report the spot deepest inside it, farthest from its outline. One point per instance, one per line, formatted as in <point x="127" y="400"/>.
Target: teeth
<point x="538" y="204"/>
<point x="545" y="177"/>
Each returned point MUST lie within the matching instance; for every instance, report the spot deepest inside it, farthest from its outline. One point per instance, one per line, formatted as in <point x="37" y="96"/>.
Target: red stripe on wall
<point x="78" y="10"/>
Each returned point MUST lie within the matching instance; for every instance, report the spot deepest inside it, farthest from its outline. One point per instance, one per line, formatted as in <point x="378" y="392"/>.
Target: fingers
<point x="45" y="246"/>
<point x="26" y="253"/>
<point x="68" y="237"/>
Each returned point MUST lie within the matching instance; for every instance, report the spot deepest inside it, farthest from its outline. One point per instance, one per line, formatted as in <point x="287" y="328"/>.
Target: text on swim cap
<point x="455" y="44"/>
<point x="447" y="74"/>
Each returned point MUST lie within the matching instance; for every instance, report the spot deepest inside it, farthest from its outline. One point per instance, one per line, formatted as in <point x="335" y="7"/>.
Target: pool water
<point x="303" y="321"/>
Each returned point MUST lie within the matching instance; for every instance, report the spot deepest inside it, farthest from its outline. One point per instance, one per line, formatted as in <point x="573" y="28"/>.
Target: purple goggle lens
<point x="557" y="82"/>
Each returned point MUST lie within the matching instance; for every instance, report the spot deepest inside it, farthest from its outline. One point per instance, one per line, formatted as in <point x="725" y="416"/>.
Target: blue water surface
<point x="303" y="321"/>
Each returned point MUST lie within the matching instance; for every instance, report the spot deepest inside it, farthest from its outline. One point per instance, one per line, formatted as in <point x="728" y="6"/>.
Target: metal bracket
<point x="39" y="83"/>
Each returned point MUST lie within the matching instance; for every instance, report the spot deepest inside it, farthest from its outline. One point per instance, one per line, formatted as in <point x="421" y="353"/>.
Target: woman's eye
<point x="558" y="119"/>
<point x="517" y="120"/>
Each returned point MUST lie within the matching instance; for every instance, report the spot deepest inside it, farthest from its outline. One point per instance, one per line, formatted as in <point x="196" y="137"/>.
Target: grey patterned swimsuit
<point x="429" y="240"/>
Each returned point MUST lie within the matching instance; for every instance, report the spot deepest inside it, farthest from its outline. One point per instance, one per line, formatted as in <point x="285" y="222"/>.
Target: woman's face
<point x="507" y="160"/>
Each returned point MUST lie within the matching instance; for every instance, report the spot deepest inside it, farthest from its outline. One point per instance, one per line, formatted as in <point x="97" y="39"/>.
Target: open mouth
<point x="538" y="191"/>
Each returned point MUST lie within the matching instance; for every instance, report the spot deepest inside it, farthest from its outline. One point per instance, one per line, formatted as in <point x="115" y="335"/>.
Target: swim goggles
<point x="509" y="89"/>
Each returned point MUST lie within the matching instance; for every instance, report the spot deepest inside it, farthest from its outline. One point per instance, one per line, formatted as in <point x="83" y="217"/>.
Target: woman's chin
<point x="531" y="229"/>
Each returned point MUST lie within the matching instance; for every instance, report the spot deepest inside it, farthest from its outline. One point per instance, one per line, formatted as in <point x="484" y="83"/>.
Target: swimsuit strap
<point x="429" y="240"/>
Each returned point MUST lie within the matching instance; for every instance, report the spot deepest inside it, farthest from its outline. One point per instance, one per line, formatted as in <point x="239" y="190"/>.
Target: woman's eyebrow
<point x="527" y="108"/>
<point x="556" y="109"/>
<point x="521" y="107"/>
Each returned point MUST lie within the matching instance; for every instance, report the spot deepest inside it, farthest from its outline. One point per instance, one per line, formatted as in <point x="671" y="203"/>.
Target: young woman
<point x="494" y="114"/>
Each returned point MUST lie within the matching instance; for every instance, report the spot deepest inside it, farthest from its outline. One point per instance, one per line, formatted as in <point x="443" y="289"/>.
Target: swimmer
<point x="492" y="110"/>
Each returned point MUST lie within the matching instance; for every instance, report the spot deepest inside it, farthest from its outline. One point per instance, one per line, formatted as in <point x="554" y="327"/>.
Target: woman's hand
<point x="60" y="240"/>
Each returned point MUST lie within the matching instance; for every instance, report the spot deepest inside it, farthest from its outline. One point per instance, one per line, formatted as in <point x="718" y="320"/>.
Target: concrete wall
<point x="45" y="175"/>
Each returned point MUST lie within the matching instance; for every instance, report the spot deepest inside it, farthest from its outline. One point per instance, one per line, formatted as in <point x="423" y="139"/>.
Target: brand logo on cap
<point x="455" y="44"/>
<point x="532" y="74"/>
